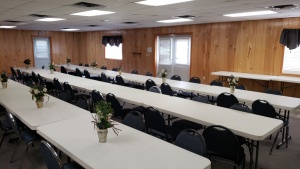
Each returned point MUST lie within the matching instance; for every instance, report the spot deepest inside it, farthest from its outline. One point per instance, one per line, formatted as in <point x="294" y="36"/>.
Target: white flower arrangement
<point x="94" y="64"/>
<point x="38" y="92"/>
<point x="233" y="81"/>
<point x="164" y="73"/>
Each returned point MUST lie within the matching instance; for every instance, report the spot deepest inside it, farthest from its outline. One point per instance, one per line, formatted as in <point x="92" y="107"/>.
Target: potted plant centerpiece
<point x="38" y="93"/>
<point x="102" y="120"/>
<point x="94" y="64"/>
<point x="3" y="79"/>
<point x="120" y="70"/>
<point x="27" y="62"/>
<point x="52" y="67"/>
<point x="68" y="61"/>
<point x="232" y="81"/>
<point x="163" y="75"/>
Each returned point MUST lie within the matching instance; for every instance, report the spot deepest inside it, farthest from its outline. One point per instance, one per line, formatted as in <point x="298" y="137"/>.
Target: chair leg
<point x="13" y="155"/>
<point x="3" y="136"/>
<point x="274" y="143"/>
<point x="23" y="157"/>
<point x="287" y="137"/>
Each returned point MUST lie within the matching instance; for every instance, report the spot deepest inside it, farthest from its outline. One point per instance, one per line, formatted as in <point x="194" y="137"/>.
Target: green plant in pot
<point x="102" y="120"/>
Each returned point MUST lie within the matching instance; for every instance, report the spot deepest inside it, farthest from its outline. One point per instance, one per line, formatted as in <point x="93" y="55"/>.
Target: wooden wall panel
<point x="244" y="46"/>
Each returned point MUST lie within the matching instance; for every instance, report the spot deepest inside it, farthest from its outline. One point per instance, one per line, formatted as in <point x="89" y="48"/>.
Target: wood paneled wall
<point x="245" y="46"/>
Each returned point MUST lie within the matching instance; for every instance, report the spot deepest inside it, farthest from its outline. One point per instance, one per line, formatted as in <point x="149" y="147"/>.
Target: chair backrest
<point x="154" y="120"/>
<point x="155" y="89"/>
<point x="34" y="77"/>
<point x="13" y="71"/>
<point x="69" y="88"/>
<point x="115" y="104"/>
<point x="149" y="74"/>
<point x="57" y="85"/>
<point x="166" y="89"/>
<point x="192" y="141"/>
<point x="80" y="64"/>
<point x="50" y="156"/>
<point x="104" y="77"/>
<point x="200" y="98"/>
<point x="87" y="74"/>
<point x="103" y="67"/>
<point x="273" y="91"/>
<point x="63" y="70"/>
<point x="20" y="75"/>
<point x="241" y="107"/>
<point x="86" y="65"/>
<point x="120" y="80"/>
<point x="82" y="102"/>
<point x="216" y="83"/>
<point x="96" y="97"/>
<point x="41" y="80"/>
<point x="263" y="108"/>
<point x="134" y="72"/>
<point x="195" y="80"/>
<point x="65" y="96"/>
<point x="29" y="83"/>
<point x="226" y="100"/>
<point x="241" y="87"/>
<point x="14" y="124"/>
<point x="78" y="72"/>
<point x="135" y="120"/>
<point x="114" y="69"/>
<point x="221" y="142"/>
<point x="176" y="77"/>
<point x="149" y="84"/>
<point x="43" y="67"/>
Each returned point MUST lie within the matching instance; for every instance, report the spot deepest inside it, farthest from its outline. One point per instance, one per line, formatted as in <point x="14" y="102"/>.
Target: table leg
<point x="251" y="153"/>
<point x="256" y="156"/>
<point x="285" y="134"/>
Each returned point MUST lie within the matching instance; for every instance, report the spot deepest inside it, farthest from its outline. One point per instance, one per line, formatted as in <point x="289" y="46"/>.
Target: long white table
<point x="17" y="100"/>
<point x="131" y="149"/>
<point x="251" y="126"/>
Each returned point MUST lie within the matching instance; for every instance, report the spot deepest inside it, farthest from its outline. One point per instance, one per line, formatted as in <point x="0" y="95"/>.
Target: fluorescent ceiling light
<point x="7" y="27"/>
<point x="69" y="29"/>
<point x="250" y="13"/>
<point x="161" y="2"/>
<point x="92" y="13"/>
<point x="50" y="19"/>
<point x="176" y="20"/>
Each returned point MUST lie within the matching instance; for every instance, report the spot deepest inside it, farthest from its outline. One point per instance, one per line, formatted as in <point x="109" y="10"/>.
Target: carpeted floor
<point x="283" y="158"/>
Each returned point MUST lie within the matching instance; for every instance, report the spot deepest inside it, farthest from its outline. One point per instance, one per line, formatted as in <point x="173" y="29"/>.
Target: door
<point x="174" y="55"/>
<point x="41" y="46"/>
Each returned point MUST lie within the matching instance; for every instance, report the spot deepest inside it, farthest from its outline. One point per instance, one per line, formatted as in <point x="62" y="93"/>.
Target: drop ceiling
<point x="205" y="11"/>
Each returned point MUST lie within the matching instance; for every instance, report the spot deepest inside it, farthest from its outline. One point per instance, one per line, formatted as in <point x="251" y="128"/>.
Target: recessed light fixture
<point x="69" y="29"/>
<point x="92" y="13"/>
<point x="176" y="20"/>
<point x="161" y="2"/>
<point x="250" y="13"/>
<point x="7" y="27"/>
<point x="50" y="19"/>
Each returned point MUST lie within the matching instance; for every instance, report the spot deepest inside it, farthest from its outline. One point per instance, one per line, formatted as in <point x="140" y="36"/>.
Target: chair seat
<point x="140" y="109"/>
<point x="5" y="124"/>
<point x="185" y="124"/>
<point x="241" y="155"/>
<point x="184" y="94"/>
<point x="29" y="136"/>
<point x="171" y="131"/>
<point x="78" y="95"/>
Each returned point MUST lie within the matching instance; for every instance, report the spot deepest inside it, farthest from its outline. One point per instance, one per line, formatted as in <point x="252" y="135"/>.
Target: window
<point x="113" y="52"/>
<point x="291" y="61"/>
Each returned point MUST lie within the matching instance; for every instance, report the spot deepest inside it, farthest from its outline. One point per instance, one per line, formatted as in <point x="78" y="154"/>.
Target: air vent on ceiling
<point x="87" y="5"/>
<point x="11" y="21"/>
<point x="39" y="16"/>
<point x="185" y="16"/>
<point x="93" y="25"/>
<point x="129" y="22"/>
<point x="289" y="6"/>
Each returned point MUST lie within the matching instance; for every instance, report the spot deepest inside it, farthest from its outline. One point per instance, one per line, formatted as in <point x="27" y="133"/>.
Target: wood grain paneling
<point x="244" y="46"/>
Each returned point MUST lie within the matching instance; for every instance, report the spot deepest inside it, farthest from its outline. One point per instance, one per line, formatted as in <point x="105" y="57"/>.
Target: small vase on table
<point x="51" y="71"/>
<point x="164" y="79"/>
<point x="102" y="135"/>
<point x="40" y="103"/>
<point x="26" y="66"/>
<point x="120" y="73"/>
<point x="232" y="88"/>
<point x="4" y="85"/>
<point x="94" y="67"/>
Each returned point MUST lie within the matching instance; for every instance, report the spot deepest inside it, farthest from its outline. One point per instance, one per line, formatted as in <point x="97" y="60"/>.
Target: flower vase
<point x="26" y="66"/>
<point x="120" y="73"/>
<point x="4" y="85"/>
<point x="164" y="79"/>
<point x="51" y="71"/>
<point x="94" y="67"/>
<point x="102" y="135"/>
<point x="232" y="88"/>
<point x="68" y="64"/>
<point x="39" y="103"/>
